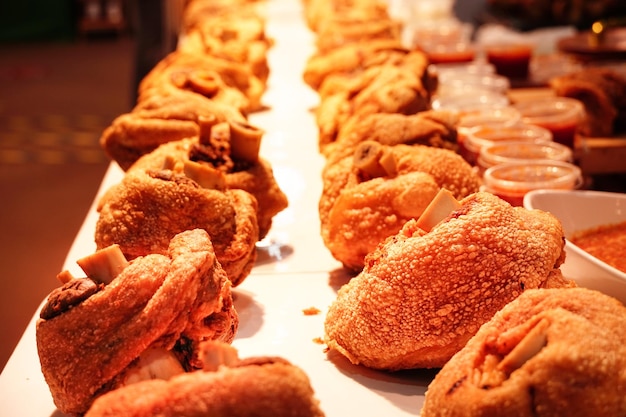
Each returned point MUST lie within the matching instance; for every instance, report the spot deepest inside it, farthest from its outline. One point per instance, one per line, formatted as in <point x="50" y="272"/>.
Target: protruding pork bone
<point x="528" y="347"/>
<point x="205" y="175"/>
<point x="169" y="162"/>
<point x="245" y="141"/>
<point x="371" y="158"/>
<point x="439" y="209"/>
<point x="206" y="83"/>
<point x="104" y="265"/>
<point x="154" y="363"/>
<point x="65" y="276"/>
<point x="206" y="123"/>
<point x="216" y="354"/>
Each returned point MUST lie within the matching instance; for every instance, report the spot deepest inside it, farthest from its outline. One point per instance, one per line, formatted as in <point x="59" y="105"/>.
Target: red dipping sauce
<point x="511" y="181"/>
<point x="510" y="60"/>
<point x="563" y="133"/>
<point x="560" y="115"/>
<point x="450" y="53"/>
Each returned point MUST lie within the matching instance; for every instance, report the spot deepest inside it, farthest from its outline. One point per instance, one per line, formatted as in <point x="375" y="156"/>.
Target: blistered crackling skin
<point x="421" y="296"/>
<point x="163" y="116"/>
<point x="537" y="356"/>
<point x="279" y="389"/>
<point x="143" y="213"/>
<point x="255" y="178"/>
<point x="157" y="301"/>
<point x="357" y="212"/>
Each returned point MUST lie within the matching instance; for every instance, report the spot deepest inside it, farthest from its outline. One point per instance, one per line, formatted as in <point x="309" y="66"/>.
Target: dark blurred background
<point x="67" y="68"/>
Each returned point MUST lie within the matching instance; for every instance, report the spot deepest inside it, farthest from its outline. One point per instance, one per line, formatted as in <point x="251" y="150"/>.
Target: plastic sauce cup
<point x="512" y="181"/>
<point x="449" y="53"/>
<point x="455" y="83"/>
<point x="561" y="115"/>
<point x="488" y="116"/>
<point x="481" y="136"/>
<point x="511" y="60"/>
<point x="516" y="151"/>
<point x="474" y="67"/>
<point x="496" y="117"/>
<point x="469" y="101"/>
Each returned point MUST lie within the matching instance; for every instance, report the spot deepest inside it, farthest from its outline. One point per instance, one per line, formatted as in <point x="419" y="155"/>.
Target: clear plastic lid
<point x="550" y="110"/>
<point x="518" y="178"/>
<point x="519" y="151"/>
<point x="454" y="82"/>
<point x="489" y="116"/>
<point x="481" y="136"/>
<point x="470" y="101"/>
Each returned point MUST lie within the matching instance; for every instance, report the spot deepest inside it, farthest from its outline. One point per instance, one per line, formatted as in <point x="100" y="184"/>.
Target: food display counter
<point x="283" y="302"/>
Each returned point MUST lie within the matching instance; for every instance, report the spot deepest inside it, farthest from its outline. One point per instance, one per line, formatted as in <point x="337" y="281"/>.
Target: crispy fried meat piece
<point x="255" y="177"/>
<point x="369" y="196"/>
<point x="196" y="12"/>
<point x="379" y="89"/>
<point x="422" y="295"/>
<point x="318" y="12"/>
<point x="367" y="213"/>
<point x="237" y="36"/>
<point x="435" y="128"/>
<point x="164" y="116"/>
<point x="353" y="81"/>
<point x="205" y="75"/>
<point x="559" y="352"/>
<point x="351" y="59"/>
<point x="156" y="311"/>
<point x="340" y="31"/>
<point x="147" y="208"/>
<point x="257" y="386"/>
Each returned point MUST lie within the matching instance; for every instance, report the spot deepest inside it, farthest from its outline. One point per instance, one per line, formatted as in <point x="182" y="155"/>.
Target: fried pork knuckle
<point x="257" y="386"/>
<point x="362" y="205"/>
<point x="255" y="177"/>
<point x="147" y="208"/>
<point x="163" y="117"/>
<point x="422" y="295"/>
<point x="557" y="352"/>
<point x="159" y="303"/>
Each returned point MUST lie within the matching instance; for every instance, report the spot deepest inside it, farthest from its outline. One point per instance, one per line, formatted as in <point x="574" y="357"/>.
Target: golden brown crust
<point x="257" y="178"/>
<point x="350" y="59"/>
<point x="421" y="296"/>
<point x="147" y="208"/>
<point x="432" y="127"/>
<point x="196" y="12"/>
<point x="206" y="75"/>
<point x="165" y="116"/>
<point x="236" y="35"/>
<point x="318" y="12"/>
<point x="380" y="89"/>
<point x="156" y="301"/>
<point x="270" y="388"/>
<point x="573" y="343"/>
<point x="340" y="31"/>
<point x="358" y="212"/>
<point x="365" y="214"/>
